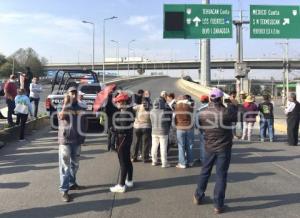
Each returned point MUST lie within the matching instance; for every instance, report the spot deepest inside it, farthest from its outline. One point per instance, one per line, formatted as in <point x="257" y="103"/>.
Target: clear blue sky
<point x="54" y="29"/>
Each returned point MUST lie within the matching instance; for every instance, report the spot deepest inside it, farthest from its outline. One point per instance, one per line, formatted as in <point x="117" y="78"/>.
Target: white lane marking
<point x="279" y="166"/>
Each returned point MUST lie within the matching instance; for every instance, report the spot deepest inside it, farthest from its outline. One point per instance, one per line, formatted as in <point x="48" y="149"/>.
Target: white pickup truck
<point x="86" y="81"/>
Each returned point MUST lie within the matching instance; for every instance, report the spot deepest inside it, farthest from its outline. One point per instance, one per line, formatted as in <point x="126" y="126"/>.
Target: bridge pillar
<point x="245" y="85"/>
<point x="205" y="58"/>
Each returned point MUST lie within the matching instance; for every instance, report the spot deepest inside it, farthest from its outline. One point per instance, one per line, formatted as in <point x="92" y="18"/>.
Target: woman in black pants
<point x="123" y="125"/>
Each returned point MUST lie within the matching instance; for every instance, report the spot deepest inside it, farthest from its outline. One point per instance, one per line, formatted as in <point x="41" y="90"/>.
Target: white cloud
<point x="138" y="20"/>
<point x="146" y="24"/>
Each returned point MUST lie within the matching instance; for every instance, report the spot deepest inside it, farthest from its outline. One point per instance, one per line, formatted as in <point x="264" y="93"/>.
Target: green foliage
<point x="21" y="59"/>
<point x="2" y="59"/>
<point x="5" y="69"/>
<point x="256" y="89"/>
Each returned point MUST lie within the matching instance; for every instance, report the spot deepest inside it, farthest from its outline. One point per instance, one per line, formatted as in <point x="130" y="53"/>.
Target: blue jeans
<point x="202" y="146"/>
<point x="10" y="110"/>
<point x="185" y="139"/>
<point x="68" y="165"/>
<point x="222" y="160"/>
<point x="264" y="125"/>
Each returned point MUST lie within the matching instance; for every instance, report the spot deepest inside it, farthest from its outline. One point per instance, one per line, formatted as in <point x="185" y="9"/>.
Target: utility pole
<point x="285" y="88"/>
<point x="241" y="69"/>
<point x="205" y="58"/>
<point x="287" y="68"/>
<point x="103" y="46"/>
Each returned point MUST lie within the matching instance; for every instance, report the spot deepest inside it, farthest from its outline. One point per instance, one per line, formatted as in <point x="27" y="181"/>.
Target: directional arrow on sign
<point x="286" y="21"/>
<point x="196" y="20"/>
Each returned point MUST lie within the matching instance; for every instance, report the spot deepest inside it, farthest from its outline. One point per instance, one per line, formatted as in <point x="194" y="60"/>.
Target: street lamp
<point x="103" y="68"/>
<point x="133" y="40"/>
<point x="88" y="22"/>
<point x="117" y="54"/>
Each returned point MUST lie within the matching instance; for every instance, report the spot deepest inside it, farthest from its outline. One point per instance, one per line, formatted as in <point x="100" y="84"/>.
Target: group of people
<point x="161" y="124"/>
<point x="138" y="124"/>
<point x="248" y="110"/>
<point x="20" y="92"/>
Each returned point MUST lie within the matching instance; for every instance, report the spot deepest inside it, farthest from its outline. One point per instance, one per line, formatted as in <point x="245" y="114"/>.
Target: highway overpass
<point x="177" y="65"/>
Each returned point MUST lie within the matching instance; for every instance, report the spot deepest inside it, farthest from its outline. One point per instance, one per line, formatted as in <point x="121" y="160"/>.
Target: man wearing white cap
<point x="216" y="122"/>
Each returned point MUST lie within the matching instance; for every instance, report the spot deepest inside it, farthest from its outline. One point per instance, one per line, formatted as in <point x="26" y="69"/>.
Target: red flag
<point x="102" y="96"/>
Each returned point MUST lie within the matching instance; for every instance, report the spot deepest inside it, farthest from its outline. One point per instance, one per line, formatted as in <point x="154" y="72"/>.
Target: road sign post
<point x="195" y="21"/>
<point x="274" y="21"/>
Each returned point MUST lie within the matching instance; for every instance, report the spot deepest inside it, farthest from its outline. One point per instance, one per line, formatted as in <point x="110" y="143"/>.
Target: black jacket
<point x="216" y="122"/>
<point x="123" y="121"/>
<point x="69" y="128"/>
<point x="266" y="110"/>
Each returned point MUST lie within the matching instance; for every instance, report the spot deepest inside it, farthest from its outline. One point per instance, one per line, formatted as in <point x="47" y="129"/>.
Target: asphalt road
<point x="263" y="180"/>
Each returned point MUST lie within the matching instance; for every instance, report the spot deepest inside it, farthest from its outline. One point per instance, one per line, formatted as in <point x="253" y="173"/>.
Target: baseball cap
<point x="204" y="98"/>
<point x="216" y="93"/>
<point x="163" y="93"/>
<point x="72" y="89"/>
<point x="123" y="96"/>
<point x="81" y="93"/>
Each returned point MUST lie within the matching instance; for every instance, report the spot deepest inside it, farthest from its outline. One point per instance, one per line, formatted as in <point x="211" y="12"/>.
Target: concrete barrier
<point x="132" y="79"/>
<point x="194" y="88"/>
<point x="11" y="134"/>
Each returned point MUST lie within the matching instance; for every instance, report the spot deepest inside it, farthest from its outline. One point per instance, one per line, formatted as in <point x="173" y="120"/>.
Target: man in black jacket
<point x="216" y="122"/>
<point x="292" y="112"/>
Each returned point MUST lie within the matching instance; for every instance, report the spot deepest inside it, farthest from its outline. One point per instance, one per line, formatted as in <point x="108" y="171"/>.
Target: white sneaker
<point x="181" y="166"/>
<point x="118" y="189"/>
<point x="154" y="164"/>
<point x="129" y="184"/>
<point x="166" y="165"/>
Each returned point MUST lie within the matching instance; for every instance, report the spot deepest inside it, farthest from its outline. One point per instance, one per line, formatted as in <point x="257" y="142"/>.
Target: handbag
<point x="21" y="109"/>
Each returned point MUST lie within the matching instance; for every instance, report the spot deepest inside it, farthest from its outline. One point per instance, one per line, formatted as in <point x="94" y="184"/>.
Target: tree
<point x="2" y="59"/>
<point x="5" y="69"/>
<point x="28" y="58"/>
<point x="268" y="90"/>
<point x="256" y="89"/>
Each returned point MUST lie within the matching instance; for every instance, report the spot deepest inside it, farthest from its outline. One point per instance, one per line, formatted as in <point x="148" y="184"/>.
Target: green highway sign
<point x="195" y="21"/>
<point x="270" y="21"/>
